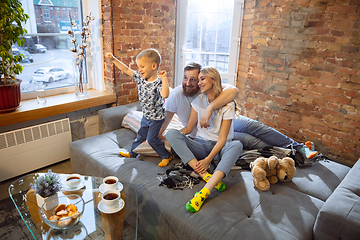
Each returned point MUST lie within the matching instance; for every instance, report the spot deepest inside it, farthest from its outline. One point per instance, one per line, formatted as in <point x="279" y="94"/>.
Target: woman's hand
<point x="202" y="166"/>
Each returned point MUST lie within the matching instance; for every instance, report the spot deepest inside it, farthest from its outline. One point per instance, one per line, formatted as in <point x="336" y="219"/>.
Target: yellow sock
<point x="165" y="162"/>
<point x="220" y="186"/>
<point x="196" y="202"/>
<point x="125" y="154"/>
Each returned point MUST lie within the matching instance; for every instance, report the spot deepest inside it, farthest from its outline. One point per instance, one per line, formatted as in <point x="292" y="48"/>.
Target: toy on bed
<point x="270" y="170"/>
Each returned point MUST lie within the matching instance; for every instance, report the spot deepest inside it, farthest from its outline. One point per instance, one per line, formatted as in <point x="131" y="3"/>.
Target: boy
<point x="152" y="88"/>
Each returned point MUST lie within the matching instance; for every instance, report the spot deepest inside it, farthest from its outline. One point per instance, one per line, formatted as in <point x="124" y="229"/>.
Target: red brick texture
<point x="131" y="26"/>
<point x="299" y="71"/>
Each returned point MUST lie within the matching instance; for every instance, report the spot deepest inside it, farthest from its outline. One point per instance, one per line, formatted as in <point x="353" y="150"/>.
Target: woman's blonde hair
<point x="213" y="73"/>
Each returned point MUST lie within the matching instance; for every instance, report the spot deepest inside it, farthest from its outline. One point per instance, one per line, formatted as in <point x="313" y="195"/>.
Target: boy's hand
<point x="162" y="74"/>
<point x="109" y="55"/>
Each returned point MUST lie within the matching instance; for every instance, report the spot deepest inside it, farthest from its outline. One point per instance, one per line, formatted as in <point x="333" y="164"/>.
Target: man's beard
<point x="190" y="91"/>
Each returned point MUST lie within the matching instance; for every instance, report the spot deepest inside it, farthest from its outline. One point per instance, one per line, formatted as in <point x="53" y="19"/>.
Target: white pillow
<point x="132" y="121"/>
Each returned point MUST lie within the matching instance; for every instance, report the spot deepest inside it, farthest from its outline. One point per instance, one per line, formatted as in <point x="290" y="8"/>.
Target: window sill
<point x="57" y="104"/>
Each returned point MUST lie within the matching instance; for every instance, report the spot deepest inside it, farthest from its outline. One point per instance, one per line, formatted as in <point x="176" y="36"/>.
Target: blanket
<point x="179" y="177"/>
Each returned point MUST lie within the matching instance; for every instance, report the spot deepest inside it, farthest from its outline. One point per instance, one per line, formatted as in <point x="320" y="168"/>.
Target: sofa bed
<point x="321" y="202"/>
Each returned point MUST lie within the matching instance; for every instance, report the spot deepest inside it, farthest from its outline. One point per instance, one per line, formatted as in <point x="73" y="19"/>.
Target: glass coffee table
<point x="93" y="223"/>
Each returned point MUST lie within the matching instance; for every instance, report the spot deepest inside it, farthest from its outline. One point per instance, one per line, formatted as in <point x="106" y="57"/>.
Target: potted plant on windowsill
<point x="12" y="16"/>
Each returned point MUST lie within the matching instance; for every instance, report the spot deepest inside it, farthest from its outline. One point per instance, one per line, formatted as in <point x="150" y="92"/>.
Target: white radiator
<point x="27" y="149"/>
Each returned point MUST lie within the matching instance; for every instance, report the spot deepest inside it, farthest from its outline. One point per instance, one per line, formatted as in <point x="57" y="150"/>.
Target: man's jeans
<point x="149" y="131"/>
<point x="188" y="149"/>
<point x="254" y="135"/>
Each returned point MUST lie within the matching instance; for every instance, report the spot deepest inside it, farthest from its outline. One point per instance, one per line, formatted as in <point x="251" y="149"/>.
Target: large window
<point x="209" y="33"/>
<point x="48" y="46"/>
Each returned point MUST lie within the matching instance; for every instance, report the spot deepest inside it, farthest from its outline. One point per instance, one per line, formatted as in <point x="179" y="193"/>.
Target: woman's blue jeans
<point x="188" y="149"/>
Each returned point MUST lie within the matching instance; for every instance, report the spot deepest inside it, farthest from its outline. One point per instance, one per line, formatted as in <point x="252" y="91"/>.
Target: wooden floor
<point x="60" y="167"/>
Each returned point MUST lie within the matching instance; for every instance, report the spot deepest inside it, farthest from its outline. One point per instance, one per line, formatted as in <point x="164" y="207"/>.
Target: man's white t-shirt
<point x="180" y="104"/>
<point x="226" y="112"/>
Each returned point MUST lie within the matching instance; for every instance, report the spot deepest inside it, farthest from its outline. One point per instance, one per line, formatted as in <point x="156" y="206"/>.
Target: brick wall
<point x="137" y="25"/>
<point x="298" y="67"/>
<point x="299" y="71"/>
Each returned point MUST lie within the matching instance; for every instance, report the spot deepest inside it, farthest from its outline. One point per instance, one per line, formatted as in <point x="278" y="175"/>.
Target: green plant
<point x="47" y="185"/>
<point x="12" y="15"/>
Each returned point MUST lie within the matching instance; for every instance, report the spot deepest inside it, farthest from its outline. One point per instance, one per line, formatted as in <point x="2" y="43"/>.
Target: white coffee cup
<point x="73" y="180"/>
<point x="111" y="198"/>
<point x="110" y="183"/>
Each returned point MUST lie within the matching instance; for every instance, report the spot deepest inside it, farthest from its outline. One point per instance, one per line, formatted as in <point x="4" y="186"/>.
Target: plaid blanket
<point x="179" y="177"/>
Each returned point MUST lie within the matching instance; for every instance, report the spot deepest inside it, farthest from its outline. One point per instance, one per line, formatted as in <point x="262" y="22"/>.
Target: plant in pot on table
<point x="12" y="17"/>
<point x="46" y="187"/>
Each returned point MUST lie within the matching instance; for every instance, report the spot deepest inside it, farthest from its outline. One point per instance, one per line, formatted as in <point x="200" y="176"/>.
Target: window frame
<point x="234" y="43"/>
<point x="94" y="59"/>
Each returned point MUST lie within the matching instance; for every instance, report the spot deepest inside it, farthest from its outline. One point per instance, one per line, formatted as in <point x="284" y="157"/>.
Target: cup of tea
<point x="110" y="183"/>
<point x="73" y="180"/>
<point x="111" y="198"/>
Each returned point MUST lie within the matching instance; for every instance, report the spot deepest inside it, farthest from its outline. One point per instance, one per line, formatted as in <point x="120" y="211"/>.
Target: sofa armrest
<point x="339" y="217"/>
<point x="111" y="118"/>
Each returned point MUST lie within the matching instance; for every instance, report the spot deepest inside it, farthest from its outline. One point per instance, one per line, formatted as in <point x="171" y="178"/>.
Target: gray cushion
<point x="319" y="180"/>
<point x="339" y="218"/>
<point x="110" y="118"/>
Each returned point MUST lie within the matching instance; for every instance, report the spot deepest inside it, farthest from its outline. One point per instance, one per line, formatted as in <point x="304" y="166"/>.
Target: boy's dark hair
<point x="192" y="66"/>
<point x="151" y="53"/>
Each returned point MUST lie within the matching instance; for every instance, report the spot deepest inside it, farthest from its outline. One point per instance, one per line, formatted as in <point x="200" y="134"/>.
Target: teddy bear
<point x="270" y="170"/>
<point x="286" y="169"/>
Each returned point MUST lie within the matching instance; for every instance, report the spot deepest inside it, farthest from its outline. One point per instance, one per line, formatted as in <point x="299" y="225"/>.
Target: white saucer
<point x="66" y="187"/>
<point x="119" y="188"/>
<point x="105" y="209"/>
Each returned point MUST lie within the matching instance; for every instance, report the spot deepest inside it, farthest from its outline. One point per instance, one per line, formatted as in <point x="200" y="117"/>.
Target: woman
<point x="211" y="143"/>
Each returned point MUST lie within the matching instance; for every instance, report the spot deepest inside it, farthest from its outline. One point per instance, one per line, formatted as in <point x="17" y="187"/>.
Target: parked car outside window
<point x="40" y="48"/>
<point x="50" y="74"/>
<point x="28" y="58"/>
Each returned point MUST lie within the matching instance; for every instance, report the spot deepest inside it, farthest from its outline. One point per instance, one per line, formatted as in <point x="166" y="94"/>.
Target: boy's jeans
<point x="254" y="135"/>
<point x="149" y="130"/>
<point x="188" y="149"/>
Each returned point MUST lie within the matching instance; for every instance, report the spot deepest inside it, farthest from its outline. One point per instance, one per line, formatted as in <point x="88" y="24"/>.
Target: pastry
<point x="54" y="218"/>
<point x="71" y="208"/>
<point x="64" y="221"/>
<point x="60" y="208"/>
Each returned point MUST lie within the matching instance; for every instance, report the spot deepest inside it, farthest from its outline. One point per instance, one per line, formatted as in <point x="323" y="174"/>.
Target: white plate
<point x="105" y="209"/>
<point x="119" y="188"/>
<point x="66" y="187"/>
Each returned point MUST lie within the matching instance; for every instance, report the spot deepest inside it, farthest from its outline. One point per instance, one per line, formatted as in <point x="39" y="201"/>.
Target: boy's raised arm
<point x="125" y="69"/>
<point x="165" y="85"/>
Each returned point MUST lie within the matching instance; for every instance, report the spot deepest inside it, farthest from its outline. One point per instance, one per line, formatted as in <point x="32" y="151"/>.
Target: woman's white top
<point x="226" y="112"/>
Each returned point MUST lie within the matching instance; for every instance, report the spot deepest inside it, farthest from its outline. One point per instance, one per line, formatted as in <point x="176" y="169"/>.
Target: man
<point x="252" y="134"/>
<point x="180" y="98"/>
